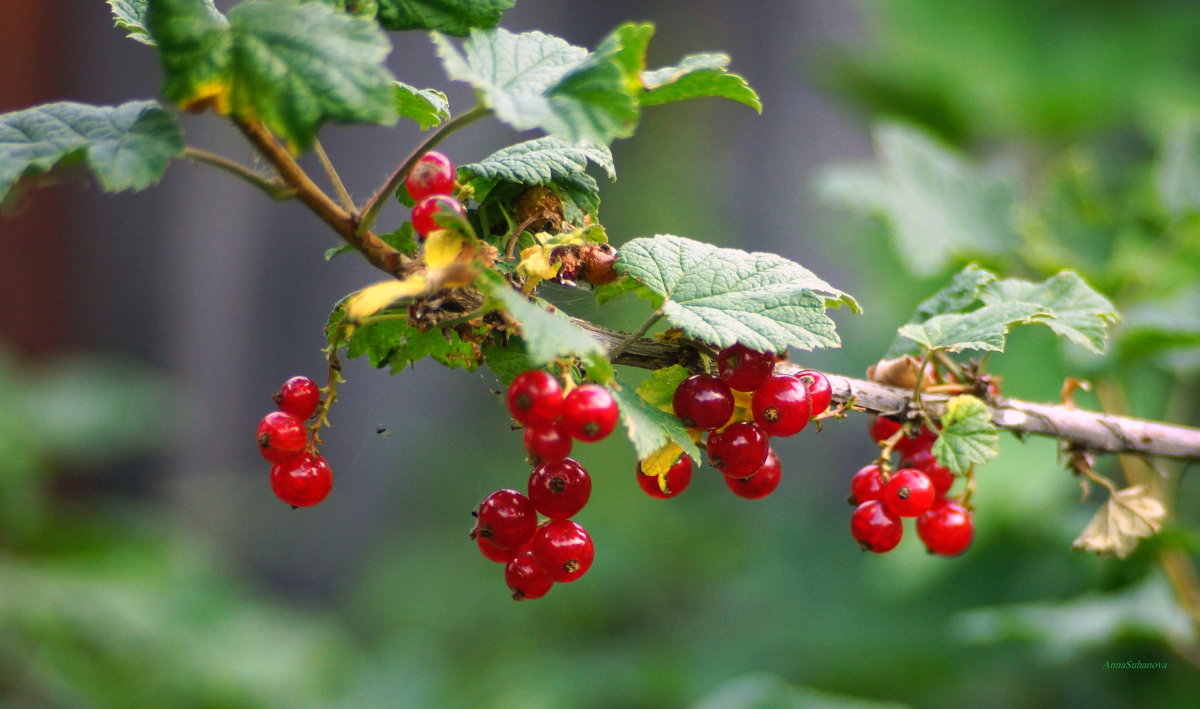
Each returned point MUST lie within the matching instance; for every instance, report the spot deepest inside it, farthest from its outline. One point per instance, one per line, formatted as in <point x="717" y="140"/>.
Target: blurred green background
<point x="144" y="561"/>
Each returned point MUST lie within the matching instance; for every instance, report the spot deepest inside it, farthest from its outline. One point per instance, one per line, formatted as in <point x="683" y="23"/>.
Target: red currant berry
<point x="589" y="413"/>
<point x="548" y="443"/>
<point x="559" y="490"/>
<point x="563" y="550"/>
<point x="525" y="578"/>
<point x="491" y="552"/>
<point x="782" y="406"/>
<point x="911" y="445"/>
<point x="738" y="451"/>
<point x="875" y="527"/>
<point x="946" y="529"/>
<point x="505" y="518"/>
<point x="299" y="397"/>
<point x="303" y="481"/>
<point x="882" y="428"/>
<point x="281" y="437"/>
<point x="866" y="485"/>
<point x="703" y="401"/>
<point x="941" y="478"/>
<point x="820" y="393"/>
<point x="760" y="484"/>
<point x="535" y="398"/>
<point x="678" y="478"/>
<point x="433" y="174"/>
<point x="439" y="204"/>
<point x="745" y="369"/>
<point x="908" y="493"/>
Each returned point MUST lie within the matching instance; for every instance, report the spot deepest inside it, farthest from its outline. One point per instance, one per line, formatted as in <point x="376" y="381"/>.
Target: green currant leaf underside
<point x="650" y="429"/>
<point x="454" y="17"/>
<point x="697" y="76"/>
<point x="294" y="66"/>
<point x="982" y="329"/>
<point x="968" y="436"/>
<point x="723" y="296"/>
<point x="126" y="147"/>
<point x="428" y="107"/>
<point x="549" y="336"/>
<point x="1080" y="313"/>
<point x="958" y="296"/>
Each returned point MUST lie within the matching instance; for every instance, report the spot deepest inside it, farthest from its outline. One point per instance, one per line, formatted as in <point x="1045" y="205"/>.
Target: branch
<point x="376" y="251"/>
<point x="1085" y="429"/>
<point x="272" y="186"/>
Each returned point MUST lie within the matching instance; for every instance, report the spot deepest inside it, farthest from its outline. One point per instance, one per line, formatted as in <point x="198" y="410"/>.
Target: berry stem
<point x="273" y="186"/>
<point x="636" y="335"/>
<point x="371" y="210"/>
<point x="334" y="177"/>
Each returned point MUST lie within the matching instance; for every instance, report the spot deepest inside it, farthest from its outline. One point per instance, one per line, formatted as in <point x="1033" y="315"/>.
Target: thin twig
<point x="334" y="177"/>
<point x="272" y="186"/>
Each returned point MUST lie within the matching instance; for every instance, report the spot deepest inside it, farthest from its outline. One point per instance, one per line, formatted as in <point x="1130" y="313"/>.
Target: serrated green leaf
<point x="551" y="336"/>
<point x="650" y="429"/>
<point x="968" y="436"/>
<point x="126" y="147"/>
<point x="658" y="389"/>
<point x="508" y="360"/>
<point x="958" y="296"/>
<point x="982" y="329"/>
<point x="1080" y="313"/>
<point x="542" y="161"/>
<point x="428" y="107"/>
<point x="456" y="17"/>
<point x="723" y="296"/>
<point x="598" y="100"/>
<point x="397" y="344"/>
<point x="294" y="66"/>
<point x="130" y="15"/>
<point x="939" y="206"/>
<point x="697" y="76"/>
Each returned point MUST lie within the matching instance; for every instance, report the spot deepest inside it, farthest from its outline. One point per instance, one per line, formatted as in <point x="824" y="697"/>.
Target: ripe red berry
<point x="559" y="490"/>
<point x="782" y="406"/>
<point x="423" y="214"/>
<point x="678" y="478"/>
<point x="299" y="396"/>
<point x="491" y="552"/>
<point x="738" y="451"/>
<point x="703" y="401"/>
<point x="281" y="437"/>
<point x="589" y="413"/>
<point x="908" y="492"/>
<point x="745" y="369"/>
<point x="922" y="441"/>
<point x="820" y="393"/>
<point x="563" y="550"/>
<point x="866" y="485"/>
<point x="433" y="174"/>
<point x="875" y="527"/>
<point x="946" y="529"/>
<point x="505" y="518"/>
<point x="941" y="478"/>
<point x="525" y="578"/>
<point x="535" y="398"/>
<point x="760" y="484"/>
<point x="303" y="481"/>
<point x="547" y="443"/>
<point x="882" y="428"/>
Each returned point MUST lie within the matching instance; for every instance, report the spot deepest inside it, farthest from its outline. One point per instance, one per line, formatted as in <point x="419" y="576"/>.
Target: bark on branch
<point x="1083" y="429"/>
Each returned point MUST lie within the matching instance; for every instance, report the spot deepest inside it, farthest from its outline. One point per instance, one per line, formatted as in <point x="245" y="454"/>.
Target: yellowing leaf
<point x="535" y="262"/>
<point x="447" y="246"/>
<point x="1129" y="515"/>
<point x="372" y="299"/>
<point x="660" y="461"/>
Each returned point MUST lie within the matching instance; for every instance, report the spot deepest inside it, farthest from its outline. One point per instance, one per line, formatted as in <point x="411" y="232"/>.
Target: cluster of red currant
<point x="918" y="489"/>
<point x="742" y="407"/>
<point x="299" y="476"/>
<point x="558" y="550"/>
<point x="431" y="183"/>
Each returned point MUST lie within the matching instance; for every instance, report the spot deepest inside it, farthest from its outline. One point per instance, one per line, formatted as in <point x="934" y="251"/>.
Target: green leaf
<point x="938" y="205"/>
<point x="599" y="99"/>
<point x="1080" y="313"/>
<point x="294" y="66"/>
<point x="456" y="17"/>
<point x="959" y="295"/>
<point x="696" y="76"/>
<point x="767" y="691"/>
<point x="551" y="336"/>
<point x="397" y="344"/>
<point x="542" y="161"/>
<point x="968" y="435"/>
<point x="403" y="239"/>
<point x="1177" y="174"/>
<point x="658" y="389"/>
<point x="508" y="360"/>
<point x="650" y="429"/>
<point x="130" y="15"/>
<point x="126" y="147"/>
<point x="982" y="329"/>
<point x="428" y="107"/>
<point x="723" y="296"/>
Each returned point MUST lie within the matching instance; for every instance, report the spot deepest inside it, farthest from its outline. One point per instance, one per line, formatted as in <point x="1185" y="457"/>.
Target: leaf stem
<point x="635" y="335"/>
<point x="274" y="188"/>
<point x="373" y="205"/>
<point x="334" y="177"/>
